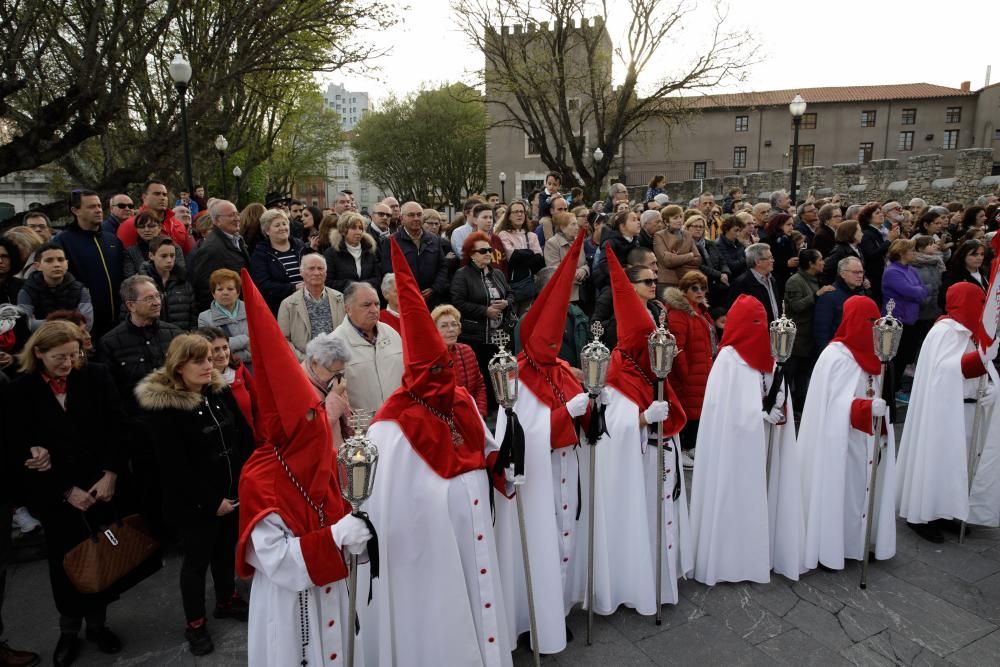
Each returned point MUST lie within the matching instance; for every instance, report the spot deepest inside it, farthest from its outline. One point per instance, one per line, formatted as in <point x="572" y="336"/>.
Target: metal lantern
<point x="356" y="463"/>
<point x="594" y="361"/>
<point x="782" y="332"/>
<point x="887" y="332"/>
<point x="503" y="372"/>
<point x="662" y="348"/>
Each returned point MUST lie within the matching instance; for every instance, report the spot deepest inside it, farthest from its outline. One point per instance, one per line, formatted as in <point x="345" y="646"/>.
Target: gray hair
<point x="327" y="348"/>
<point x="543" y="276"/>
<point x="852" y="211"/>
<point x="310" y="255"/>
<point x="352" y="290"/>
<point x="844" y="263"/>
<point x="982" y="200"/>
<point x="213" y="208"/>
<point x="649" y="216"/>
<point x="755" y="253"/>
<point x="889" y="205"/>
<point x="917" y="202"/>
<point x="776" y="197"/>
<point x="616" y="188"/>
<point x="389" y="283"/>
<point x="130" y="286"/>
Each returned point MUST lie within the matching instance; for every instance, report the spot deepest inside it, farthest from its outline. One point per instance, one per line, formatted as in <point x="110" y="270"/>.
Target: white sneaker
<point x="687" y="459"/>
<point x="24" y="521"/>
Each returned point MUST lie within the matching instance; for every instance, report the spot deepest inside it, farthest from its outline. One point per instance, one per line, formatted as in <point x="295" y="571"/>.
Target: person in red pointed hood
<point x="746" y="518"/>
<point x="934" y="485"/>
<point x="836" y="446"/>
<point x="550" y="405"/>
<point x="294" y="522"/>
<point x="625" y="495"/>
<point x="437" y="599"/>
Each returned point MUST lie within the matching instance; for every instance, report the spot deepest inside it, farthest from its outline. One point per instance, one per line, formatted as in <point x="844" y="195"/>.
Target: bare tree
<point x="543" y="55"/>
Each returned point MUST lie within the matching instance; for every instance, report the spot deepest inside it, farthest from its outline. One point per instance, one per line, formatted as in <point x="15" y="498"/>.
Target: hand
<point x="793" y="263"/>
<point x="826" y="289"/>
<point x="494" y="313"/>
<point x="104" y="489"/>
<point x="695" y="256"/>
<point x="508" y="474"/>
<point x="893" y="233"/>
<point x="577" y="406"/>
<point x="866" y="284"/>
<point x="5" y="360"/>
<point x="40" y="460"/>
<point x="989" y="397"/>
<point x="351" y="532"/>
<point x="426" y="293"/>
<point x="581" y="275"/>
<point x="225" y="507"/>
<point x="501" y="303"/>
<point x="80" y="499"/>
<point x="656" y="412"/>
<point x="879" y="407"/>
<point x="724" y="279"/>
<point x="776" y="415"/>
<point x="339" y="387"/>
<point x="605" y="397"/>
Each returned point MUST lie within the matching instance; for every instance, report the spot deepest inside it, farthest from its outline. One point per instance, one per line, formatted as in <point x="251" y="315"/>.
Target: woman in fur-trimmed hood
<point x="201" y="441"/>
<point x="352" y="255"/>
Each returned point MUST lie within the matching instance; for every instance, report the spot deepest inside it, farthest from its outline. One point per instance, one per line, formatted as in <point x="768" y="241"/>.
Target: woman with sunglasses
<point x="690" y="322"/>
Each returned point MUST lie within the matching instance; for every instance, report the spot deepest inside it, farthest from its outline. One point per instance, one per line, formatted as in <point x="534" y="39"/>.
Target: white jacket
<point x="374" y="371"/>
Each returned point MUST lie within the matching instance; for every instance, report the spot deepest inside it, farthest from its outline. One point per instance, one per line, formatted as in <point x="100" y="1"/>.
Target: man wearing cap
<point x="438" y="597"/>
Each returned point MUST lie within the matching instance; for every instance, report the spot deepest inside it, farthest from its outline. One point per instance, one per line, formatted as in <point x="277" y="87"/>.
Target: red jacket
<point x="386" y="317"/>
<point x="172" y="227"/>
<point x="467" y="374"/>
<point x="695" y="333"/>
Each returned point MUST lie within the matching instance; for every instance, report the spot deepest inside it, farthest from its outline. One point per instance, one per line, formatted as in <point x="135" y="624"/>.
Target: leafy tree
<point x="429" y="147"/>
<point x="549" y="52"/>
<point x="308" y="134"/>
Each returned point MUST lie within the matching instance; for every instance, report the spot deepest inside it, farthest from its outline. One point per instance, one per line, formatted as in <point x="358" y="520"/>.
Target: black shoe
<point x="928" y="531"/>
<point x="11" y="657"/>
<point x="952" y="526"/>
<point x="67" y="648"/>
<point x="107" y="641"/>
<point x="236" y="608"/>
<point x="199" y="641"/>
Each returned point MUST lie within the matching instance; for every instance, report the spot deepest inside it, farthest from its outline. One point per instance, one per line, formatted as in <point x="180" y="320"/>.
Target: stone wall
<point x="873" y="181"/>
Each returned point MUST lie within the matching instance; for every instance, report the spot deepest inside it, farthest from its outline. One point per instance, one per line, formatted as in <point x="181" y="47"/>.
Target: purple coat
<point x="902" y="283"/>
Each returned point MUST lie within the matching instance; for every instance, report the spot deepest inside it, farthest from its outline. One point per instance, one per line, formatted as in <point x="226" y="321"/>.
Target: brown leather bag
<point x="109" y="555"/>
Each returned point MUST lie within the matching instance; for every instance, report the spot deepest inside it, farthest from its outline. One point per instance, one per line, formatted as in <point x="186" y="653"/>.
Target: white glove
<point x="656" y="412"/>
<point x="352" y="534"/>
<point x="879" y="408"/>
<point x="508" y="473"/>
<point x="577" y="406"/>
<point x="989" y="396"/>
<point x="776" y="415"/>
<point x="605" y="398"/>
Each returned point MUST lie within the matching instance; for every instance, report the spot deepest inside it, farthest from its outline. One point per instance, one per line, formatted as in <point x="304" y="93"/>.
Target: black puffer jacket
<point x="178" y="306"/>
<point x="44" y="299"/>
<point x="342" y="270"/>
<point x="201" y="442"/>
<point x="131" y="353"/>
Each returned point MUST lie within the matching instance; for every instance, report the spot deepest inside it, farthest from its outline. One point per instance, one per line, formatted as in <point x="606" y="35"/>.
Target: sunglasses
<point x="696" y="288"/>
<point x="483" y="251"/>
<point x="648" y="282"/>
<point x="124" y="205"/>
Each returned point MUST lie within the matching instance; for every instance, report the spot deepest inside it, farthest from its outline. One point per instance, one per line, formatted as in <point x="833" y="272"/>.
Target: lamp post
<point x="797" y="107"/>
<point x="503" y="187"/>
<point x="237" y="174"/>
<point x="598" y="156"/>
<point x="180" y="72"/>
<point x="221" y="145"/>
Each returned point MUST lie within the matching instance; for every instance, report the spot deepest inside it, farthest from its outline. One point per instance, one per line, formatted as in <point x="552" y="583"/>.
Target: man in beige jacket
<point x="311" y="310"/>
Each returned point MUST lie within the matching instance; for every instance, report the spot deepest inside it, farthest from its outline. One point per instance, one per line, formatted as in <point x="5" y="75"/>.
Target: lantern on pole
<point x="782" y="334"/>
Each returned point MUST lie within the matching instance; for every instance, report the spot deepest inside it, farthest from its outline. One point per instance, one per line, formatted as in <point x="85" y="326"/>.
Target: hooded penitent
<point x="964" y="304"/>
<point x="746" y="332"/>
<point x="855" y="332"/>
<point x="540" y="369"/>
<point x="630" y="371"/>
<point x="294" y="427"/>
<point x="438" y="417"/>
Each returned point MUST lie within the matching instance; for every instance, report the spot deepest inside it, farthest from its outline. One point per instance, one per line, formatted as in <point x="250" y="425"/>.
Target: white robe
<point x="836" y="467"/>
<point x="549" y="495"/>
<point x="741" y="526"/>
<point x="933" y="453"/>
<point x="274" y="629"/>
<point x="625" y="517"/>
<point x="437" y="599"/>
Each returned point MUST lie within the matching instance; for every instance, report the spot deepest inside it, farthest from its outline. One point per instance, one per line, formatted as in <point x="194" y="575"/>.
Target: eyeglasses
<point x="152" y="298"/>
<point x="63" y="358"/>
<point x="483" y="251"/>
<point x="148" y="225"/>
<point x="648" y="282"/>
<point x="696" y="288"/>
<point x="769" y="258"/>
<point x="129" y="206"/>
<point x="381" y="214"/>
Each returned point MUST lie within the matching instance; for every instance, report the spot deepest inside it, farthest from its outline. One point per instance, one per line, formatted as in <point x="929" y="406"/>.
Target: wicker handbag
<point x="107" y="556"/>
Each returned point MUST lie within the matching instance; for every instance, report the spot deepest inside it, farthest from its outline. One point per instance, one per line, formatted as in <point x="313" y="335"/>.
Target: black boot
<point x="67" y="648"/>
<point x="199" y="641"/>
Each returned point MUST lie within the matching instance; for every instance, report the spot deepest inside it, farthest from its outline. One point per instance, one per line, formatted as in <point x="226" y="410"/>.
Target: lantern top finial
<point x="500" y="339"/>
<point x="597" y="330"/>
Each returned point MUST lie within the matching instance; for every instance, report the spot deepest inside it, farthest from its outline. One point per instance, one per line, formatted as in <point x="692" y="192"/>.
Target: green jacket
<point x="800" y="304"/>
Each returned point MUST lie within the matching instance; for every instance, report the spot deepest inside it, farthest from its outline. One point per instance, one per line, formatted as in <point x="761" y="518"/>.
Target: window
<point x="909" y="117"/>
<point x="531" y="149"/>
<point x="739" y="158"/>
<point x="573" y="104"/>
<point x="807" y="154"/>
<point x="808" y="121"/>
<point x="867" y="119"/>
<point x="743" y="123"/>
<point x="996" y="135"/>
<point x="700" y="169"/>
<point x="906" y="140"/>
<point x="865" y="151"/>
<point x="950" y="140"/>
<point x="340" y="171"/>
<point x="953" y="115"/>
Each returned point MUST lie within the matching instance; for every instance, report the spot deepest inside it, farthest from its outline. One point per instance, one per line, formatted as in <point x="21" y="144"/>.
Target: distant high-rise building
<point x="351" y="105"/>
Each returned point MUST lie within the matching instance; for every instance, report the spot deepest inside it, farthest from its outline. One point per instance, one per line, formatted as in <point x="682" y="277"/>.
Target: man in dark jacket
<point x="424" y="253"/>
<point x="758" y="281"/>
<point x="223" y="248"/>
<point x="95" y="257"/>
<point x="830" y="306"/>
<point x="120" y="209"/>
<point x="137" y="346"/>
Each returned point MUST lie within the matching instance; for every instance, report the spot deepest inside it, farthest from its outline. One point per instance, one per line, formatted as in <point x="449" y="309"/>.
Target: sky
<point x="799" y="43"/>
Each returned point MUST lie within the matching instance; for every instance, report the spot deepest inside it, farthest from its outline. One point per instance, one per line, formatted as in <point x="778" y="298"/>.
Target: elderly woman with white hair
<point x="390" y="314"/>
<point x="312" y="310"/>
<point x="274" y="266"/>
<point x="324" y="362"/>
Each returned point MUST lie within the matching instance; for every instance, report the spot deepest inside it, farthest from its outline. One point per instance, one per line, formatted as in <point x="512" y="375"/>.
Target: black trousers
<point x="207" y="542"/>
<point x="689" y="434"/>
<point x="798" y="370"/>
<point x="484" y="352"/>
<point x="909" y="346"/>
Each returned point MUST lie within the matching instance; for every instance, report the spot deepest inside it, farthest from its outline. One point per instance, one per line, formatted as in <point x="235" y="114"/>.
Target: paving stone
<point x="799" y="650"/>
<point x="890" y="647"/>
<point x="777" y="597"/>
<point x="610" y="647"/>
<point x="635" y="627"/>
<point x="860" y="625"/>
<point x="703" y="641"/>
<point x="956" y="560"/>
<point x="981" y="598"/>
<point x="736" y="608"/>
<point x="986" y="651"/>
<point x="819" y="624"/>
<point x="806" y="591"/>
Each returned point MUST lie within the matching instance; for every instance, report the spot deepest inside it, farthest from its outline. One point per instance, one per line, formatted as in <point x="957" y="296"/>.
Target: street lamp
<point x="598" y="156"/>
<point x="797" y="108"/>
<point x="503" y="187"/>
<point x="180" y="72"/>
<point x="221" y="145"/>
<point x="237" y="174"/>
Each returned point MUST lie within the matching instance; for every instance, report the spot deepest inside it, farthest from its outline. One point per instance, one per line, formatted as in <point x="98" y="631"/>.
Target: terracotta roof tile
<point x="902" y="91"/>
